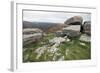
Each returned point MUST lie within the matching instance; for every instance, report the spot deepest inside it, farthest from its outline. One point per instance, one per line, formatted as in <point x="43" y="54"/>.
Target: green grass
<point x="76" y="51"/>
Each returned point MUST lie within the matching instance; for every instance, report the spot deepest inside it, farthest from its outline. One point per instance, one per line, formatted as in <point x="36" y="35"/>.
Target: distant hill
<point x="44" y="26"/>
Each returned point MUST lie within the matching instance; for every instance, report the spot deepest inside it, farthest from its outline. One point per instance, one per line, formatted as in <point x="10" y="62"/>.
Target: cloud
<point x="56" y="17"/>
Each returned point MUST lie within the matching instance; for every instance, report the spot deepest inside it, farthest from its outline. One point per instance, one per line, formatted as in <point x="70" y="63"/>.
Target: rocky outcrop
<point x="76" y="20"/>
<point x="31" y="35"/>
<point x="73" y="27"/>
<point x="87" y="27"/>
<point x="31" y="38"/>
<point x="70" y="31"/>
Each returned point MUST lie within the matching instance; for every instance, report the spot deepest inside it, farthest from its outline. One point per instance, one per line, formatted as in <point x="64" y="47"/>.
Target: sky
<point x="54" y="17"/>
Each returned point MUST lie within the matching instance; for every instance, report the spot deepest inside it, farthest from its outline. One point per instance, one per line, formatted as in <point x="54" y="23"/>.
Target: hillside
<point x="44" y="26"/>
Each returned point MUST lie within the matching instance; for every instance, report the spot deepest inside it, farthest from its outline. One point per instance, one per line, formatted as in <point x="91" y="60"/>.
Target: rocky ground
<point x="52" y="48"/>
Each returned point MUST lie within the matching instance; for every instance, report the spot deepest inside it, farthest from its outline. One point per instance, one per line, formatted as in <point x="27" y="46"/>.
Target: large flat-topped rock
<point x="31" y="35"/>
<point x="73" y="27"/>
<point x="70" y="31"/>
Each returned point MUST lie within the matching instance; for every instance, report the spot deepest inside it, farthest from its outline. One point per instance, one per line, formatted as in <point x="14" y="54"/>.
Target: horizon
<point x="52" y="17"/>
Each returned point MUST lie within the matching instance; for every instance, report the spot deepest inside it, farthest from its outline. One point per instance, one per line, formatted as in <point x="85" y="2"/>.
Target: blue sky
<point x="55" y="17"/>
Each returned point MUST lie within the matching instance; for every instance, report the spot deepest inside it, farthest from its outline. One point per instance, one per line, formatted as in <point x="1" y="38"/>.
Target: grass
<point x="76" y="51"/>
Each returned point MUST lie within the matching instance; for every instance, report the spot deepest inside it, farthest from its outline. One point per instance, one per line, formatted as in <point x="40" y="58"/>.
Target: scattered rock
<point x="40" y="51"/>
<point x="85" y="38"/>
<point x="66" y="37"/>
<point x="53" y="49"/>
<point x="59" y="34"/>
<point x="67" y="50"/>
<point x="57" y="40"/>
<point x="83" y="44"/>
<point x="57" y="54"/>
<point x="68" y="40"/>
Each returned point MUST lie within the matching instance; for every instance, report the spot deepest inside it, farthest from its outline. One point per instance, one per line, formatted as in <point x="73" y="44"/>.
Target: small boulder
<point x="57" y="40"/>
<point x="85" y="38"/>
